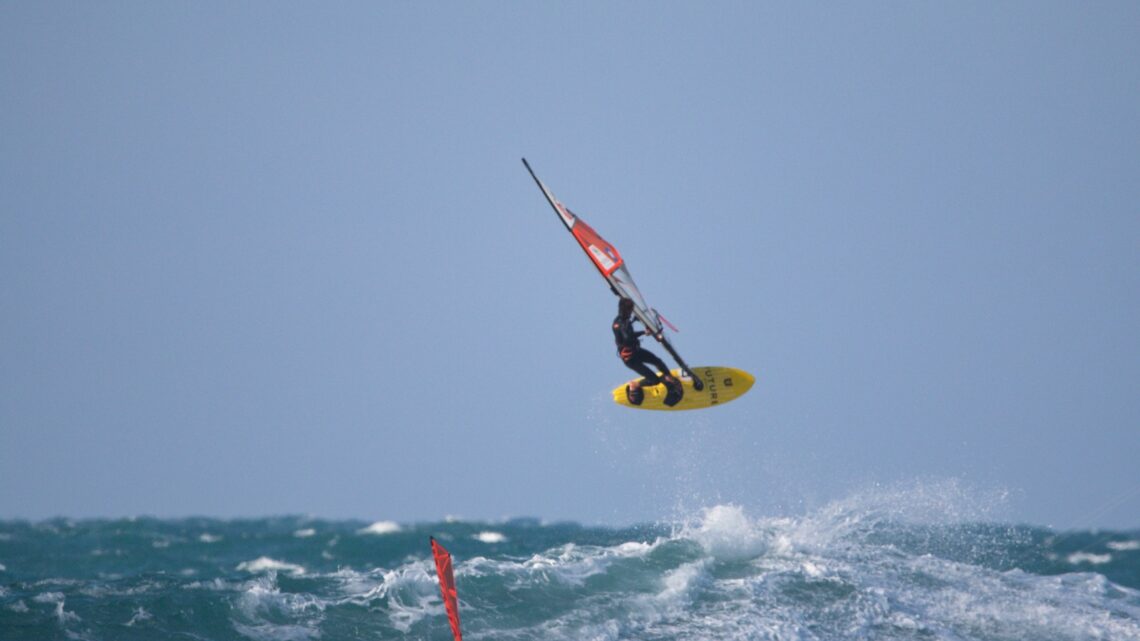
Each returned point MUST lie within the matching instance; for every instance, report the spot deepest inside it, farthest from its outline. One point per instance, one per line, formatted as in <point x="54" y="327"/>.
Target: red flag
<point x="447" y="586"/>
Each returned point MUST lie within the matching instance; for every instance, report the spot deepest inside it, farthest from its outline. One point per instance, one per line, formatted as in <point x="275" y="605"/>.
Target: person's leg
<point x="673" y="389"/>
<point x="637" y="363"/>
<point x="658" y="363"/>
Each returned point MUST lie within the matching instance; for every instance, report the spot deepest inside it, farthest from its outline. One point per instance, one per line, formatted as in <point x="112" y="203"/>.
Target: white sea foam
<point x="355" y="587"/>
<point x="834" y="573"/>
<point x="18" y="606"/>
<point x="140" y="615"/>
<point x="262" y="605"/>
<point x="57" y="598"/>
<point x="305" y="533"/>
<point x="3" y="568"/>
<point x="404" y="611"/>
<point x="266" y="564"/>
<point x="206" y="537"/>
<point x="57" y="581"/>
<point x="1077" y="558"/>
<point x="569" y="564"/>
<point x="408" y="593"/>
<point x="381" y="527"/>
<point x="727" y="533"/>
<point x="489" y="537"/>
<point x="1014" y="604"/>
<point x="362" y="587"/>
<point x="679" y="582"/>
<point x="1124" y="546"/>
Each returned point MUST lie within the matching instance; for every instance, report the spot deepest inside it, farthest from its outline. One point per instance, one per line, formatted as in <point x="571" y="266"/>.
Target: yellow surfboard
<point x="722" y="384"/>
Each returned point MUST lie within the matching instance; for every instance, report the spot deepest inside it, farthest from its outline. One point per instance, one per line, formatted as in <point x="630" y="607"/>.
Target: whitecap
<point x="631" y="549"/>
<point x="680" y="581"/>
<point x="490" y="537"/>
<point x="570" y="563"/>
<point x="811" y="569"/>
<point x="381" y="527"/>
<point x="19" y="606"/>
<point x="206" y="537"/>
<point x="3" y="568"/>
<point x="139" y="615"/>
<point x="1124" y="546"/>
<point x="58" y="581"/>
<point x="1077" y="558"/>
<point x="305" y="533"/>
<point x="726" y="532"/>
<point x="57" y="598"/>
<point x="262" y="602"/>
<point x="409" y="593"/>
<point x="266" y="564"/>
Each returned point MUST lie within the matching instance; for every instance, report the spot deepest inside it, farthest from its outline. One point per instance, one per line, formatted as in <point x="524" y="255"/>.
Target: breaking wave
<point x="888" y="563"/>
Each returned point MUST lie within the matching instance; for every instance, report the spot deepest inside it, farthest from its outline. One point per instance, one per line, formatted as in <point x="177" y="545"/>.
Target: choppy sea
<point x="853" y="569"/>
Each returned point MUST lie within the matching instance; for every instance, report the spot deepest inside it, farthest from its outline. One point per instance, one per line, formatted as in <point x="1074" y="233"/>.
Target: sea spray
<point x="917" y="562"/>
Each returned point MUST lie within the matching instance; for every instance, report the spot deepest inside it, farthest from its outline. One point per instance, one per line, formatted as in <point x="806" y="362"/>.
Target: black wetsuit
<point x="634" y="355"/>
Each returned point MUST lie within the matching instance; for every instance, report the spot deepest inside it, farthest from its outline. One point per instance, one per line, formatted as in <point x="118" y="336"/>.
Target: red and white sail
<point x="611" y="266"/>
<point x="604" y="256"/>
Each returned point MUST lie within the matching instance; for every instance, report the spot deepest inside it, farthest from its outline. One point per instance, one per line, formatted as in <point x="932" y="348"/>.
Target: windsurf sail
<point x="447" y="586"/>
<point x="612" y="267"/>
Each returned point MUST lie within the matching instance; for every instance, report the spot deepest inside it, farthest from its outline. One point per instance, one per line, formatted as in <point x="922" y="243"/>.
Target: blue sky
<point x="283" y="258"/>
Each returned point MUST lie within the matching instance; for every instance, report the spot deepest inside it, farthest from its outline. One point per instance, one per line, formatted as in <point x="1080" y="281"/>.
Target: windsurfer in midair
<point x="634" y="355"/>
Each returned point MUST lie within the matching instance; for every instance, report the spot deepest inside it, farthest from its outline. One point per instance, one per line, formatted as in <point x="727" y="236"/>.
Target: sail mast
<point x="612" y="267"/>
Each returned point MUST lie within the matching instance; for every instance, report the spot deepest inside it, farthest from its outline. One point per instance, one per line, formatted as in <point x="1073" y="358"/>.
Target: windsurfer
<point x="636" y="357"/>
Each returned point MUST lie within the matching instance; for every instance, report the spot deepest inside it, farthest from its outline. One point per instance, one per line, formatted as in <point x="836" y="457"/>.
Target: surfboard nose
<point x="744" y="380"/>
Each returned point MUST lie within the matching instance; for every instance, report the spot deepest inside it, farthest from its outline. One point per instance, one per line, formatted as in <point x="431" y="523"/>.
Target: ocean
<point x="852" y="569"/>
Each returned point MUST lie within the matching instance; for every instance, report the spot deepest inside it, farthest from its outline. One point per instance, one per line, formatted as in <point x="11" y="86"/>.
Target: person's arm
<point x="648" y="331"/>
<point x="627" y="334"/>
